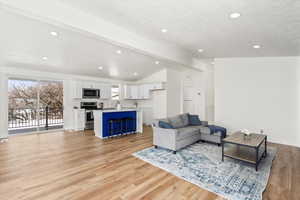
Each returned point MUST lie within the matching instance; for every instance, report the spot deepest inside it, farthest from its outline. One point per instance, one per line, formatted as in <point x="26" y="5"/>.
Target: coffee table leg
<point x="266" y="147"/>
<point x="222" y="151"/>
<point x="256" y="158"/>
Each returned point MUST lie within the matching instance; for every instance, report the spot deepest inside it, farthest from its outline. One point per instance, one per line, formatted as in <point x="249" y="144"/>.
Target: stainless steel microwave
<point x="88" y="93"/>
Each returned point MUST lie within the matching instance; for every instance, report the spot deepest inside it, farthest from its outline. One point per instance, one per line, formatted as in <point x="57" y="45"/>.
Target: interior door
<point x="193" y="99"/>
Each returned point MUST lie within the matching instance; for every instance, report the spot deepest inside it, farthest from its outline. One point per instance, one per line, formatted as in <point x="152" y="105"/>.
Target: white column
<point x="3" y="106"/>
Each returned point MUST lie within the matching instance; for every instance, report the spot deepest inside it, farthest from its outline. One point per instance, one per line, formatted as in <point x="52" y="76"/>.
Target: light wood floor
<point x="77" y="165"/>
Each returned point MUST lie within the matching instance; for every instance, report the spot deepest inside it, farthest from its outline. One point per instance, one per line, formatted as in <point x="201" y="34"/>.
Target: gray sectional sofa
<point x="181" y="133"/>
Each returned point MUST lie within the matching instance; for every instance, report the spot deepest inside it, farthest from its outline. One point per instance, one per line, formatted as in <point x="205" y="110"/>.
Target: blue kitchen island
<point x="111" y="123"/>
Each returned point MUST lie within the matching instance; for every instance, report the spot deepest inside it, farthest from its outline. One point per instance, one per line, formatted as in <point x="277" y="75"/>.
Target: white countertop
<point x="115" y="110"/>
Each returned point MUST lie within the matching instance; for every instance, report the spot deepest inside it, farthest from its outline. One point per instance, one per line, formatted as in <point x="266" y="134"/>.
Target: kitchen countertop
<point x="115" y="110"/>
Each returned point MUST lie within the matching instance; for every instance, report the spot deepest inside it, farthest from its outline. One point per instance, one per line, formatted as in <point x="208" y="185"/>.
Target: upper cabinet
<point x="157" y="86"/>
<point x="141" y="91"/>
<point x="87" y="84"/>
<point x="131" y="92"/>
<point x="105" y="92"/>
<point x="144" y="91"/>
<point x="105" y="89"/>
<point x="77" y="89"/>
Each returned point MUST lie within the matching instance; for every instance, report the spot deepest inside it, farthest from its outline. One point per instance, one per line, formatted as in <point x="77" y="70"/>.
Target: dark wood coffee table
<point x="247" y="150"/>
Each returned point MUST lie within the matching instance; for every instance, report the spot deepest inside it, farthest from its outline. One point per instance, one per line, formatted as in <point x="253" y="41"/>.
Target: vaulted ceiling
<point x="91" y="32"/>
<point x="29" y="44"/>
<point x="194" y="24"/>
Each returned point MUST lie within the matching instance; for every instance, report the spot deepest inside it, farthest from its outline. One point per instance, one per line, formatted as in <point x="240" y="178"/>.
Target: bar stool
<point x="115" y="127"/>
<point x="126" y="125"/>
<point x="131" y="126"/>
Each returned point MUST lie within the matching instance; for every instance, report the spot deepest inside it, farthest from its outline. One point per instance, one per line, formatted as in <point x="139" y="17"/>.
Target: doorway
<point x="34" y="105"/>
<point x="193" y="98"/>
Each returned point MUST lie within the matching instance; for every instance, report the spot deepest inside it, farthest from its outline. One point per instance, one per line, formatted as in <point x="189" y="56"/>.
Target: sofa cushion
<point x="194" y="120"/>
<point x="183" y="133"/>
<point x="164" y="124"/>
<point x="176" y="121"/>
<point x="203" y="129"/>
<point x="214" y="129"/>
<point x="185" y="119"/>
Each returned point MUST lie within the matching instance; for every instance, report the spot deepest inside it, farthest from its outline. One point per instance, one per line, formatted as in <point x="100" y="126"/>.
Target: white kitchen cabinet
<point x="127" y="92"/>
<point x="147" y="91"/>
<point x="134" y="92"/>
<point x="141" y="91"/>
<point x="88" y="85"/>
<point x="157" y="86"/>
<point x="77" y="89"/>
<point x="79" y="119"/>
<point x="98" y="86"/>
<point x="144" y="91"/>
<point x="131" y="92"/>
<point x="105" y="92"/>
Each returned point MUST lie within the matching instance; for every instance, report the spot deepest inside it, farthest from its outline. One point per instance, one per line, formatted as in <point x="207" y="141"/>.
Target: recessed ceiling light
<point x="53" y="33"/>
<point x="164" y="30"/>
<point x="157" y="62"/>
<point x="45" y="58"/>
<point x="200" y="50"/>
<point x="119" y="52"/>
<point x="100" y="68"/>
<point x="212" y="63"/>
<point x="235" y="15"/>
<point x="256" y="46"/>
<point x="135" y="74"/>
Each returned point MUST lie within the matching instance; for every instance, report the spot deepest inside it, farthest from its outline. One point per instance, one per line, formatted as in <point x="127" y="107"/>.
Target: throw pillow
<point x="176" y="121"/>
<point x="194" y="120"/>
<point x="185" y="119"/>
<point x="163" y="124"/>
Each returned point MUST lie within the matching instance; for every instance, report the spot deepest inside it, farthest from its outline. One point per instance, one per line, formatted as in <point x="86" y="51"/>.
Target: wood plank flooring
<point x="79" y="166"/>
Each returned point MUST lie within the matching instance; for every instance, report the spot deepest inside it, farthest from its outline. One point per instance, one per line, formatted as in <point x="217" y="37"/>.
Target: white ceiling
<point x="191" y="24"/>
<point x="194" y="24"/>
<point x="24" y="42"/>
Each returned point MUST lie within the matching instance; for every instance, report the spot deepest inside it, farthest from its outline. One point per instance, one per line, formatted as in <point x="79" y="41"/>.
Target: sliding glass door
<point x="34" y="105"/>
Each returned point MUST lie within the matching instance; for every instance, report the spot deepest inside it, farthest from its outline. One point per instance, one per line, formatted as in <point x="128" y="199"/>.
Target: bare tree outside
<point x="23" y="101"/>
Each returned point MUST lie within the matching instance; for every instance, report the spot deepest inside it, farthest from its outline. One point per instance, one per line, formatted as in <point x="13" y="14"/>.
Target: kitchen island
<point x="111" y="123"/>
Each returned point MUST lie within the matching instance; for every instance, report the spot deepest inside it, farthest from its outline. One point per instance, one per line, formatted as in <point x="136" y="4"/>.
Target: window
<point x="115" y="92"/>
<point x="34" y="105"/>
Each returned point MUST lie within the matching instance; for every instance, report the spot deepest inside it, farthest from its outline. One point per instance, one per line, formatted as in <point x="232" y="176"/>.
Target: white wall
<point x="209" y="84"/>
<point x="259" y="93"/>
<point x="174" y="92"/>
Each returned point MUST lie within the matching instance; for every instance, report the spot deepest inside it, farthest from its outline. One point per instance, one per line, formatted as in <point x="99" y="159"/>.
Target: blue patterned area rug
<point x="201" y="165"/>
